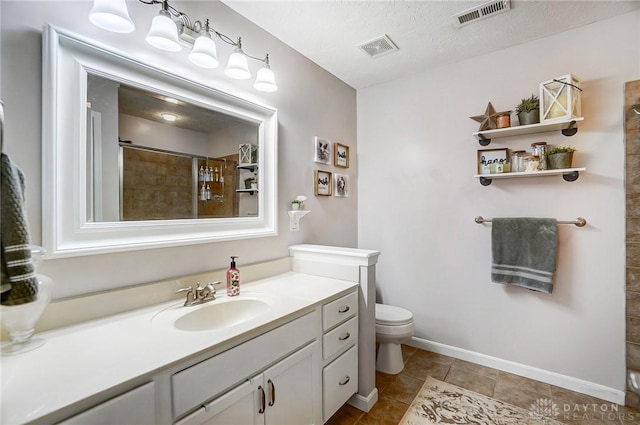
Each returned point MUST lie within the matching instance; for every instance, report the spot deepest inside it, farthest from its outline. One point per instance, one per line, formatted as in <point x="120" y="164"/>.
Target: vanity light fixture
<point x="111" y="15"/>
<point x="171" y="28"/>
<point x="163" y="33"/>
<point x="238" y="66"/>
<point x="204" y="53"/>
<point x="265" y="80"/>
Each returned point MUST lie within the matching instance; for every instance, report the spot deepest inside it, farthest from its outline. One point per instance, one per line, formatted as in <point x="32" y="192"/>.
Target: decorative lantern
<point x="247" y="154"/>
<point x="560" y="99"/>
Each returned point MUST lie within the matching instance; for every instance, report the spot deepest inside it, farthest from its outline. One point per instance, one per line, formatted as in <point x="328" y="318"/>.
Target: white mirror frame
<point x="66" y="232"/>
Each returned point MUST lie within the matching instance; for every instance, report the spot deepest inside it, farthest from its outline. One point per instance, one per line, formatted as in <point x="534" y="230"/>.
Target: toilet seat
<point x="390" y="315"/>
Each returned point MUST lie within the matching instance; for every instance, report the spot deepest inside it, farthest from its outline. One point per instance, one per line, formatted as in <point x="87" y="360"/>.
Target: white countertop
<point x="83" y="360"/>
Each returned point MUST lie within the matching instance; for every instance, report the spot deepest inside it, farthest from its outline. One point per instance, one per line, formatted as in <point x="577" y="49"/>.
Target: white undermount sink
<point x="217" y="314"/>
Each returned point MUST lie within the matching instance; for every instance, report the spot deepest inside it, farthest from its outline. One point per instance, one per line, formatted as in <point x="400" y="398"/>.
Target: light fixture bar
<point x="171" y="27"/>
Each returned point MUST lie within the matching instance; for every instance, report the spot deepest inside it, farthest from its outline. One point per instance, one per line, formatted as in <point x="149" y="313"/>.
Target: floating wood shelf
<point x="567" y="127"/>
<point x="568" y="174"/>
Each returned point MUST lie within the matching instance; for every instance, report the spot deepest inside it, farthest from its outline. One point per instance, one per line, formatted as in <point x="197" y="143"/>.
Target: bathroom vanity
<point x="286" y="351"/>
<point x="144" y="367"/>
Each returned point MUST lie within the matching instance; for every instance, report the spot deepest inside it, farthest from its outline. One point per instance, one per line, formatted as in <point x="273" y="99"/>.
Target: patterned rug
<point x="442" y="403"/>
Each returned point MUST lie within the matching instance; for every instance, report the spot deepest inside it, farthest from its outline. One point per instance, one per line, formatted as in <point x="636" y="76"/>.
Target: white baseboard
<point x="574" y="384"/>
<point x="364" y="403"/>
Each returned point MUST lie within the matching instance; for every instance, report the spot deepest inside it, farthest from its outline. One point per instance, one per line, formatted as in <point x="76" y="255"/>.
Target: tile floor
<point x="395" y="393"/>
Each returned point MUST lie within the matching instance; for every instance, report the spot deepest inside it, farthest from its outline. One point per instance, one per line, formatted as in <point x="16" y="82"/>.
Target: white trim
<point x="574" y="384"/>
<point x="334" y="254"/>
<point x="364" y="403"/>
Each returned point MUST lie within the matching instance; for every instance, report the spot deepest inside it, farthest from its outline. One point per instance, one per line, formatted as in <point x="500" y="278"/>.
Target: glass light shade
<point x="111" y="15"/>
<point x="265" y="80"/>
<point x="238" y="66"/>
<point x="164" y="33"/>
<point x="204" y="53"/>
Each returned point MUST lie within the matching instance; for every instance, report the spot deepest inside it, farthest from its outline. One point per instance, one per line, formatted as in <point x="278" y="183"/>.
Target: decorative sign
<point x="341" y="155"/>
<point x="492" y="161"/>
<point x="322" y="185"/>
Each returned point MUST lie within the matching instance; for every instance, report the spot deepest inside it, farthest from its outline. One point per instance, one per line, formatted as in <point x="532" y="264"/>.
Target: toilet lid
<point x="392" y="315"/>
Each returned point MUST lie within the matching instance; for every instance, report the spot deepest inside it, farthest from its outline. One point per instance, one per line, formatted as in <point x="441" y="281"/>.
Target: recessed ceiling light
<point x="169" y="117"/>
<point x="171" y="100"/>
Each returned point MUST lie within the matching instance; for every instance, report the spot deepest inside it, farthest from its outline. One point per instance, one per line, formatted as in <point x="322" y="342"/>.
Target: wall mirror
<point x="135" y="157"/>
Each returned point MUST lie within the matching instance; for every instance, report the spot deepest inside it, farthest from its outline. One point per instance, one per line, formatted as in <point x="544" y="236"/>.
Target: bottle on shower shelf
<point x="203" y="193"/>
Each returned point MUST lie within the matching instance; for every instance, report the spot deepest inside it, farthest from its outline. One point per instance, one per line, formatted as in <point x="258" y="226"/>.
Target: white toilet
<point x="394" y="325"/>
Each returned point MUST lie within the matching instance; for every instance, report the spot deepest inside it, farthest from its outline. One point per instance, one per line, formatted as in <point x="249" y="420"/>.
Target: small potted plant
<point x="248" y="182"/>
<point x="528" y="110"/>
<point x="560" y="157"/>
<point x="298" y="202"/>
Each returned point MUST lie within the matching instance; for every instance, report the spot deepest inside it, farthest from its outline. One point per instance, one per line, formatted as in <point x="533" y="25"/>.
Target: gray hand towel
<point x="19" y="282"/>
<point x="524" y="252"/>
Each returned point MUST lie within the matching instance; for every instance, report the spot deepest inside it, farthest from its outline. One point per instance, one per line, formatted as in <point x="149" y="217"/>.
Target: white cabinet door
<point x="292" y="387"/>
<point x="287" y="393"/>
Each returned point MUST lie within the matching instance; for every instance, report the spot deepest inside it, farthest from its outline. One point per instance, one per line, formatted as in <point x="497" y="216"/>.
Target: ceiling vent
<point x="483" y="11"/>
<point x="379" y="46"/>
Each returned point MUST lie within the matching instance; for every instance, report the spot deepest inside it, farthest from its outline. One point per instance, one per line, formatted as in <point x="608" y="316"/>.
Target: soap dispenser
<point x="233" y="279"/>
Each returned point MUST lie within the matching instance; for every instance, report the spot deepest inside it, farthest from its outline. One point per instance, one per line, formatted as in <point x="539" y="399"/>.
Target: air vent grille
<point x="379" y="46"/>
<point x="481" y="12"/>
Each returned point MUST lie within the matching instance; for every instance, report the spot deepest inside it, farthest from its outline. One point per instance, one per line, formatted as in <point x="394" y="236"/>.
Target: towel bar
<point x="580" y="222"/>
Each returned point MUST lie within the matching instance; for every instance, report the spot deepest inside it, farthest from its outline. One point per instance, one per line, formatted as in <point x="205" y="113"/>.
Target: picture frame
<point x="341" y="185"/>
<point x="492" y="161"/>
<point x="340" y="155"/>
<point x="322" y="183"/>
<point x="322" y="150"/>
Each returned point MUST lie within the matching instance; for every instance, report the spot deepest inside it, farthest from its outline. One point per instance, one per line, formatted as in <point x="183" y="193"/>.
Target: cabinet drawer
<point x="209" y="378"/>
<point x="341" y="337"/>
<point x="339" y="310"/>
<point x="339" y="382"/>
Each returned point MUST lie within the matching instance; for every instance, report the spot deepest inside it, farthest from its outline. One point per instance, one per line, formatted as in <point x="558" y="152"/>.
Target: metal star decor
<point x="488" y="120"/>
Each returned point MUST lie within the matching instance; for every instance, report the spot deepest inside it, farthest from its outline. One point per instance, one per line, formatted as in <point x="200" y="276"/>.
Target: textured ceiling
<point x="328" y="32"/>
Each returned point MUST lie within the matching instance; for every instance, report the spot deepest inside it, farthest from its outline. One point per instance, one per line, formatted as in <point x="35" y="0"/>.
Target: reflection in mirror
<point x="153" y="157"/>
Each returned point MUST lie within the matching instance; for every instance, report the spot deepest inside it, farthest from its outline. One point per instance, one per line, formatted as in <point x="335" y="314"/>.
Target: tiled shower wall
<point x="632" y="189"/>
<point x="156" y="185"/>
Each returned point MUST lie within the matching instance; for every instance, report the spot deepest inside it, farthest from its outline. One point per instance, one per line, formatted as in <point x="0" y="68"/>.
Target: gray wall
<point x="310" y="102"/>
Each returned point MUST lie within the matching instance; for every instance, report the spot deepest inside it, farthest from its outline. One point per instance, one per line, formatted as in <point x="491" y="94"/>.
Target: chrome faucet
<point x="199" y="295"/>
